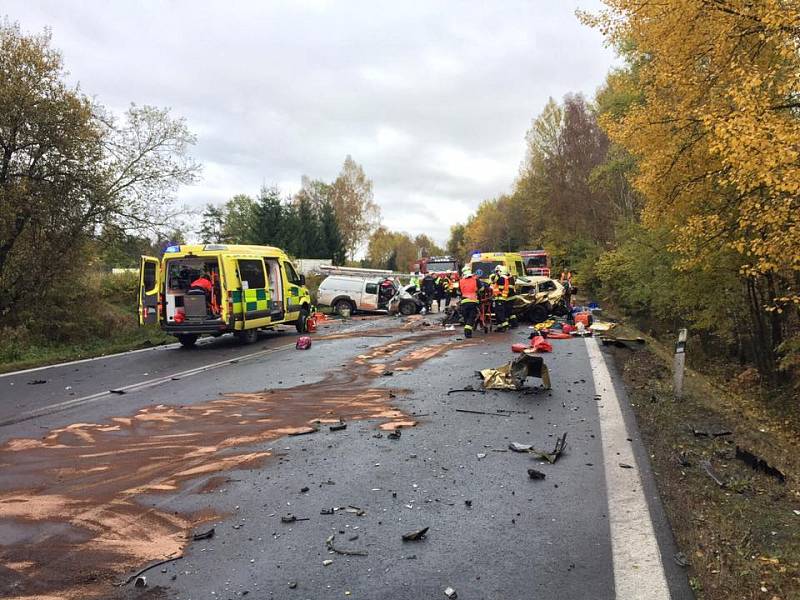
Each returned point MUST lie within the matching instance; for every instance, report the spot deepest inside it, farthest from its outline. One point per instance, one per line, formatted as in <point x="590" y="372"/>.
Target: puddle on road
<point x="70" y="514"/>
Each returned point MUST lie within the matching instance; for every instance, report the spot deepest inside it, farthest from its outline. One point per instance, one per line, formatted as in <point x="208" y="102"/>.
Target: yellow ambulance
<point x="248" y="288"/>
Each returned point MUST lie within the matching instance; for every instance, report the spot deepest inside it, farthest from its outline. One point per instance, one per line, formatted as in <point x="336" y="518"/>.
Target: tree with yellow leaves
<point x="716" y="135"/>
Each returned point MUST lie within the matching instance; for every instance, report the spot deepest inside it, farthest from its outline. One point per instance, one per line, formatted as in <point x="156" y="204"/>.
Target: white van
<point x="343" y="292"/>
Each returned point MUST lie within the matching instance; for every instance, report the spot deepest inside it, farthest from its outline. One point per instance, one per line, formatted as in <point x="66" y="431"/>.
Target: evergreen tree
<point x="269" y="218"/>
<point x="331" y="243"/>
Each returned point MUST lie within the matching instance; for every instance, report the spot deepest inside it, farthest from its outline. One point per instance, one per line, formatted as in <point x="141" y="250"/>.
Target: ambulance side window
<point x="520" y="268"/>
<point x="291" y="274"/>
<point x="149" y="276"/>
<point x="252" y="272"/>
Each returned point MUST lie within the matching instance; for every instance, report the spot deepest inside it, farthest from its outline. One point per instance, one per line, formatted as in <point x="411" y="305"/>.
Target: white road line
<point x="60" y="406"/>
<point x="638" y="570"/>
<point x="67" y="404"/>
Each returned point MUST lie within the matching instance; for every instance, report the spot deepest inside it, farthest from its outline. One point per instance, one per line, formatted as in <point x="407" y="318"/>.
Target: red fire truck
<point x="537" y="262"/>
<point x="436" y="264"/>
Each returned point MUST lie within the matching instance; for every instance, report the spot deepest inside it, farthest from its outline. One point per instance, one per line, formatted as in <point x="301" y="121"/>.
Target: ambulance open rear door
<point x="149" y="279"/>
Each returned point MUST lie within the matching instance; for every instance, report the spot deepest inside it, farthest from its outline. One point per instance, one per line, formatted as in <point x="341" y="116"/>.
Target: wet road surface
<point x="92" y="492"/>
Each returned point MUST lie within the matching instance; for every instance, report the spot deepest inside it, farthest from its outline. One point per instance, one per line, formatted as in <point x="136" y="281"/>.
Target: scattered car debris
<point x="415" y="536"/>
<point x="290" y="518"/>
<point x="355" y="510"/>
<point x="710" y="434"/>
<point x="625" y="466"/>
<point x="37" y="382"/>
<point x="468" y="389"/>
<point x="304" y="431"/>
<point x="468" y="503"/>
<point x="620" y="342"/>
<point x="292" y="585"/>
<point x="304" y="489"/>
<point x="395" y="435"/>
<point x="534" y="474"/>
<point x="387" y="373"/>
<point x="119" y="391"/>
<point x="327" y="511"/>
<point x="140" y="582"/>
<point x="680" y="559"/>
<point x="450" y="593"/>
<point x="711" y="473"/>
<point x="759" y="464"/>
<point x="205" y="535"/>
<point x="338" y="426"/>
<point x="327" y="562"/>
<point x="481" y="412"/>
<point x="147" y="568"/>
<point x="330" y="545"/>
<point x="551" y="457"/>
<point x="512" y="375"/>
<point x="683" y="460"/>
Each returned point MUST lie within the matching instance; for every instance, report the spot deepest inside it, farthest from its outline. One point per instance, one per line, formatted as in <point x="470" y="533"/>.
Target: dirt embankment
<point x="70" y="502"/>
<point x="738" y="534"/>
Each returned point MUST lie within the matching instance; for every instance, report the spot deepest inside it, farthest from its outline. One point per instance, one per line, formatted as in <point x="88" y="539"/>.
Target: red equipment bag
<point x="585" y="318"/>
<point x="519" y="348"/>
<point x="303" y="343"/>
<point x="539" y="344"/>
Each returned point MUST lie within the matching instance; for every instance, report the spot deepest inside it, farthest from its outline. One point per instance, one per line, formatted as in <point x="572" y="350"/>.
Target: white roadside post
<point x="680" y="362"/>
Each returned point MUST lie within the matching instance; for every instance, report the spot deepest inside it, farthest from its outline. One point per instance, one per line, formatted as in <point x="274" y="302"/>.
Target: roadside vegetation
<point x="673" y="193"/>
<point x="84" y="192"/>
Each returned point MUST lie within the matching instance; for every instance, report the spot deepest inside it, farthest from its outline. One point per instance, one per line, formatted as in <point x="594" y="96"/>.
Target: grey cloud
<point x="433" y="98"/>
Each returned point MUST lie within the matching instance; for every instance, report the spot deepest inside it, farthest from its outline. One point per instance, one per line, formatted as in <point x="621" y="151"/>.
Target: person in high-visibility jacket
<point x="503" y="292"/>
<point x="469" y="286"/>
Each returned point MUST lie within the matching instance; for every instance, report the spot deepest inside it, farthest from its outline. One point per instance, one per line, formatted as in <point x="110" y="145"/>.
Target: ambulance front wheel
<point x="187" y="340"/>
<point x="301" y="320"/>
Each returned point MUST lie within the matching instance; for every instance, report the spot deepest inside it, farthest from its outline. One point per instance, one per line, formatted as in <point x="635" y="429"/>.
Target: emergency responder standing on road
<point x="439" y="282"/>
<point x="502" y="291"/>
<point x="415" y="280"/>
<point x="469" y="286"/>
<point x="428" y="289"/>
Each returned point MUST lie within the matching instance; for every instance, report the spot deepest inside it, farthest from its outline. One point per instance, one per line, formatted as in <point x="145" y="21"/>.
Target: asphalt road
<point x="95" y="485"/>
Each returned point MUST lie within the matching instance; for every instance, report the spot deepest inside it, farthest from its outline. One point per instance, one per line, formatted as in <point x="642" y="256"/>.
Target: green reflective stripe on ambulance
<point x="256" y="300"/>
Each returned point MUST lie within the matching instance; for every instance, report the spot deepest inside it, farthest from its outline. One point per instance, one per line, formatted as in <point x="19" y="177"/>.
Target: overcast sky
<point x="432" y="98"/>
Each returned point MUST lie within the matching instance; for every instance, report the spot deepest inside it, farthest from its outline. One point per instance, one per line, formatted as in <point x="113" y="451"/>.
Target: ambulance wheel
<point x="187" y="340"/>
<point x="301" y="320"/>
<point x="248" y="336"/>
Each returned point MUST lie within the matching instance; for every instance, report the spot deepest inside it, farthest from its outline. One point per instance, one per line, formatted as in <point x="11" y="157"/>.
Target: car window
<point x="251" y="273"/>
<point x="372" y="288"/>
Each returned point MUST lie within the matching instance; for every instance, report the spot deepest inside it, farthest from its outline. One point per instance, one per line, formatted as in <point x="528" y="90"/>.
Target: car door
<point x="149" y="278"/>
<point x="369" y="298"/>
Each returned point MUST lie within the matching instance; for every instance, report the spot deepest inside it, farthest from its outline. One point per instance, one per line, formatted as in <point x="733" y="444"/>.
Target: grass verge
<point x="38" y="355"/>
<point x="740" y="538"/>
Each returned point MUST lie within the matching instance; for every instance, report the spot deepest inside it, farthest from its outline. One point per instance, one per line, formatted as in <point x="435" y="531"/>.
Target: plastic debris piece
<point x="205" y="535"/>
<point x="534" y="474"/>
<point x="290" y="518"/>
<point x="304" y="431"/>
<point x="395" y="435"/>
<point x="338" y="426"/>
<point x="292" y="585"/>
<point x="330" y="545"/>
<point x="327" y="562"/>
<point x="140" y="582"/>
<point x="415" y="536"/>
<point x="625" y="466"/>
<point x="759" y="464"/>
<point x="711" y="473"/>
<point x="37" y="382"/>
<point x="450" y="593"/>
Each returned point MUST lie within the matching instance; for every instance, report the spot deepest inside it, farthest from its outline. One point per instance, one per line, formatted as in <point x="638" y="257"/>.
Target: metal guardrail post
<point x="680" y="362"/>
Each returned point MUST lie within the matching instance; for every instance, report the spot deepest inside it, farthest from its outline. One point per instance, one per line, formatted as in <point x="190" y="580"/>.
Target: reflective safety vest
<point x="501" y="286"/>
<point x="469" y="289"/>
<point x="414" y="281"/>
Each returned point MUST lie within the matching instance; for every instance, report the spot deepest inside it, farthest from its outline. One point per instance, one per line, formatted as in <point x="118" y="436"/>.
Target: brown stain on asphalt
<point x="72" y="518"/>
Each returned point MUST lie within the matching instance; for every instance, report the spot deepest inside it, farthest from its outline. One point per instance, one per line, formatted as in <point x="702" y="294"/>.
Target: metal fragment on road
<point x="395" y="435"/>
<point x="290" y="518"/>
<point x="330" y="546"/>
<point x="450" y="593"/>
<point x="625" y="466"/>
<point x="414" y="536"/>
<point x="338" y="427"/>
<point x="534" y="474"/>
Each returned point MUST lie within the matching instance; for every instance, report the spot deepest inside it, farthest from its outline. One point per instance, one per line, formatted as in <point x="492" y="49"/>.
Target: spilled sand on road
<point x="71" y="517"/>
